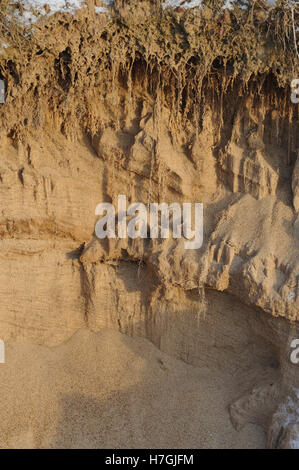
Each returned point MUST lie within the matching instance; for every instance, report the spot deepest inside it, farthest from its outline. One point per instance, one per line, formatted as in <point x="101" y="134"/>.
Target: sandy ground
<point x="101" y="390"/>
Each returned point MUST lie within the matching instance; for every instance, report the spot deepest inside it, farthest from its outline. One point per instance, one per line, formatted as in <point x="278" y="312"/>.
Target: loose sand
<point x="106" y="390"/>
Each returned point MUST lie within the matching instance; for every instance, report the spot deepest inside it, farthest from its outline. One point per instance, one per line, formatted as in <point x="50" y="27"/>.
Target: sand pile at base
<point x="107" y="390"/>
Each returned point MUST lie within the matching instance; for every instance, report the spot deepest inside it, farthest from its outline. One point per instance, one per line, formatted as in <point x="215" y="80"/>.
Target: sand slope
<point x="107" y="390"/>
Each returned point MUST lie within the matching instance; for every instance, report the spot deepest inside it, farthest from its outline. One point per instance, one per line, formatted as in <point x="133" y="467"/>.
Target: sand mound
<point x="106" y="390"/>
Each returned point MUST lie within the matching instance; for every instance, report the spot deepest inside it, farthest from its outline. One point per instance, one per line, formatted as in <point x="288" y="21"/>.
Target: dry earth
<point x="122" y="343"/>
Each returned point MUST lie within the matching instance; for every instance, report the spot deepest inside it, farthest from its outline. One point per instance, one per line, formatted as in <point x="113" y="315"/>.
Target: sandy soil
<point x="101" y="390"/>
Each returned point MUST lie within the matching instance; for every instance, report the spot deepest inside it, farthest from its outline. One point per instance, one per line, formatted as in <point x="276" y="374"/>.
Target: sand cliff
<point x="162" y="106"/>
